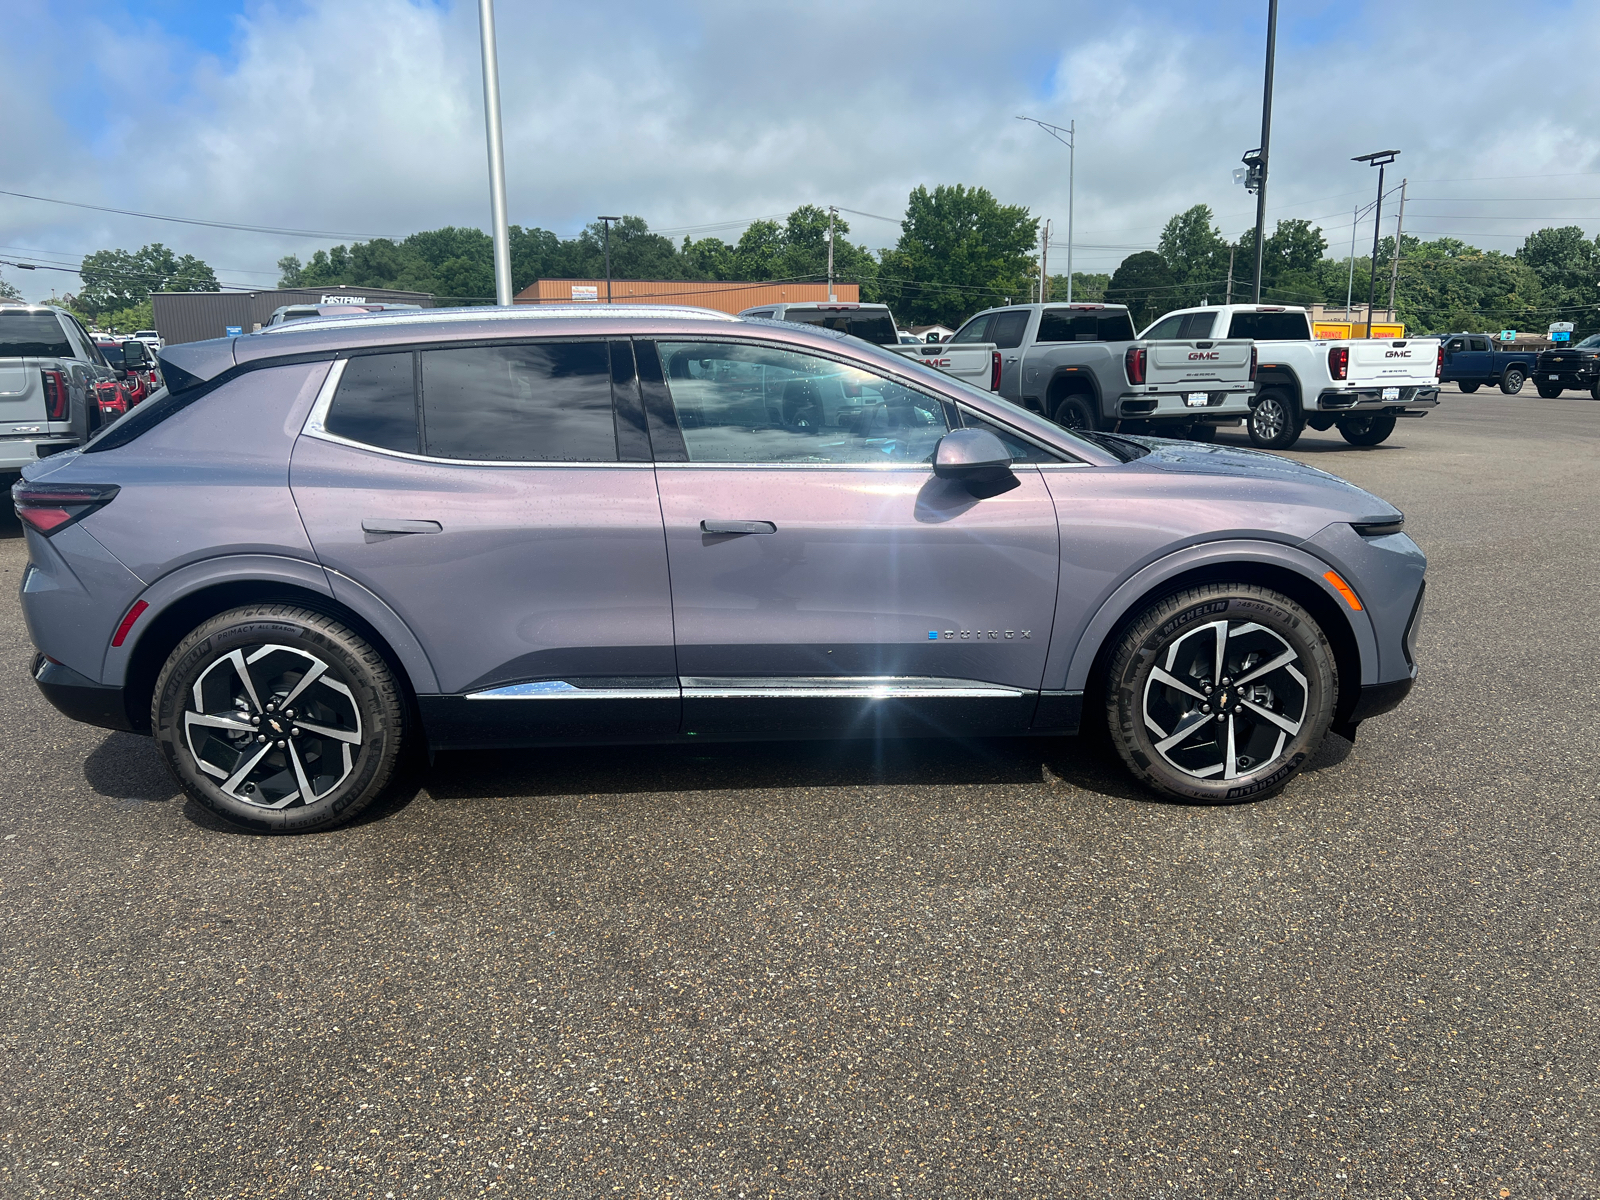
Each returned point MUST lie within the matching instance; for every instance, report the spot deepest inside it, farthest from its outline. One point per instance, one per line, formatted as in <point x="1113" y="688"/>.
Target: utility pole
<point x="1266" y="140"/>
<point x="1350" y="284"/>
<point x="608" y="221"/>
<point x="497" y="153"/>
<point x="1231" y="251"/>
<point x="831" y="211"/>
<point x="1068" y="137"/>
<point x="1399" y="225"/>
<point x="1044" y="268"/>
<point x="1379" y="159"/>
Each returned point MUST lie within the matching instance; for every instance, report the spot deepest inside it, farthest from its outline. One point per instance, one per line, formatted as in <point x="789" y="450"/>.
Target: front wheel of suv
<point x="1221" y="693"/>
<point x="278" y="718"/>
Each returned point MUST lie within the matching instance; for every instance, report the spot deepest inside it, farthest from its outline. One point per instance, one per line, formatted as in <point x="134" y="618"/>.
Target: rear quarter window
<point x="376" y="403"/>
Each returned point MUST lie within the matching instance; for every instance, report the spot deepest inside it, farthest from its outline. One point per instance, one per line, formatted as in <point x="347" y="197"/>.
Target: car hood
<point x="1194" y="458"/>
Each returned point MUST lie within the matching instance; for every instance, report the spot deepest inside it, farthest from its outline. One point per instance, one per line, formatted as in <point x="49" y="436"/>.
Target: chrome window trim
<point x="560" y="689"/>
<point x="876" y="468"/>
<point x="850" y="687"/>
<point x="316" y="427"/>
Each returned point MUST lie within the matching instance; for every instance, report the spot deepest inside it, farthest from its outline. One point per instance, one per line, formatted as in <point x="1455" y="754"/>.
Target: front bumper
<point x="80" y="698"/>
<point x="1578" y="380"/>
<point x="1367" y="398"/>
<point x="1175" y="406"/>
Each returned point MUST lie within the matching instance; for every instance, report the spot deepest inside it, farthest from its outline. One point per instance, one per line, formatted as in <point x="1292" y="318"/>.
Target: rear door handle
<point x="395" y="525"/>
<point x="738" y="527"/>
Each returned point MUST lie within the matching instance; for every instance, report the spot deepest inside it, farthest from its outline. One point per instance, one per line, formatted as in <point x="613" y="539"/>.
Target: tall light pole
<point x="1379" y="159"/>
<point x="608" y="221"/>
<point x="1399" y="230"/>
<point x="1266" y="144"/>
<point x="497" y="153"/>
<point x="1068" y="137"/>
<point x="831" y="211"/>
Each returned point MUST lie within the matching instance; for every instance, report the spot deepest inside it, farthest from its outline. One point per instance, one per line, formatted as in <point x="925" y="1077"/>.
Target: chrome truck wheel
<point x="278" y="718"/>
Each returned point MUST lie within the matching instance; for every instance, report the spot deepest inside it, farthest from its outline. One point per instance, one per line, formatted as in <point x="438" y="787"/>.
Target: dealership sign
<point x="588" y="292"/>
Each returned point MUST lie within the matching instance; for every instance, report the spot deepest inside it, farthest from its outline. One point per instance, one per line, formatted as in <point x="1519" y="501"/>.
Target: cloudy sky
<point x="354" y="118"/>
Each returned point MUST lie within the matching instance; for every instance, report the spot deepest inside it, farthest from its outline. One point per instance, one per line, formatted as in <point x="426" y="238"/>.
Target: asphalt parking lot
<point x="989" y="969"/>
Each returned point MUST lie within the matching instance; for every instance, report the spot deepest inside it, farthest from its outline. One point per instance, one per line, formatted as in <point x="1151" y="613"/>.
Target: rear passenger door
<point x="500" y="498"/>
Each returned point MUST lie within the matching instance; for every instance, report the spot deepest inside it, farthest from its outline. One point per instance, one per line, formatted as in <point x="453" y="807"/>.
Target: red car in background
<point x="137" y="376"/>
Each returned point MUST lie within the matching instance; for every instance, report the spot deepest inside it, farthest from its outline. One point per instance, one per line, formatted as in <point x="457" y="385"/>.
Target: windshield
<point x="1592" y="342"/>
<point x="875" y="327"/>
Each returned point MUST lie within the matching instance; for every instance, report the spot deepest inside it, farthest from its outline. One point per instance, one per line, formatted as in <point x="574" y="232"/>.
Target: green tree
<point x="1197" y="255"/>
<point x="1146" y="284"/>
<point x="960" y="250"/>
<point x="118" y="279"/>
<point x="9" y="291"/>
<point x="1568" y="267"/>
<point x="1087" y="287"/>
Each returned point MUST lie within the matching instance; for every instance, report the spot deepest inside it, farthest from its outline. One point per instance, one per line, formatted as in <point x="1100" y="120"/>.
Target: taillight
<point x="1252" y="362"/>
<point x="48" y="507"/>
<point x="994" y="371"/>
<point x="1339" y="362"/>
<point x="1438" y="362"/>
<point x="1133" y="361"/>
<point x="55" y="395"/>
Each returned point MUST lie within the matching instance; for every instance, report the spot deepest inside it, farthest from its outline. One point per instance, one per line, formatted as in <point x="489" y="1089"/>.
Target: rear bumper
<point x="80" y="698"/>
<point x="1175" y="406"/>
<point x="18" y="452"/>
<point x="1345" y="399"/>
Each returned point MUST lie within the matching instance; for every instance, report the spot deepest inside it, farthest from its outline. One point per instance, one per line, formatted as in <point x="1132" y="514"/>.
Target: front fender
<point x="1072" y="660"/>
<point x="269" y="569"/>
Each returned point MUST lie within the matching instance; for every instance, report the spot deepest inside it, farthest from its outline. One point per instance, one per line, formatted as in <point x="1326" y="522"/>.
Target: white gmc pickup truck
<point x="1082" y="366"/>
<point x="1361" y="386"/>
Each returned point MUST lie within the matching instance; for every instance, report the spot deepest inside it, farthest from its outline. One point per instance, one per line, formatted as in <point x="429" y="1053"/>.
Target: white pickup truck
<point x="1361" y="386"/>
<point x="1082" y="366"/>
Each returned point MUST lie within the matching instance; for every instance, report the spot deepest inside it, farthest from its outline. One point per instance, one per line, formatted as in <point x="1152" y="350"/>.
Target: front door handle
<point x="395" y="525"/>
<point x="738" y="527"/>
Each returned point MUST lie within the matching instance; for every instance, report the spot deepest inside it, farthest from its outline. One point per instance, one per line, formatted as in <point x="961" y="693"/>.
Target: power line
<point x="311" y="233"/>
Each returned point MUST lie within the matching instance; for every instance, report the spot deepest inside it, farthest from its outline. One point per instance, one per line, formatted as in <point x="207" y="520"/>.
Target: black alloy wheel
<point x="1221" y="693"/>
<point x="1275" y="422"/>
<point x="1511" y="382"/>
<point x="1548" y="390"/>
<point x="278" y="718"/>
<point x="1367" y="429"/>
<point x="1468" y="388"/>
<point x="1076" y="412"/>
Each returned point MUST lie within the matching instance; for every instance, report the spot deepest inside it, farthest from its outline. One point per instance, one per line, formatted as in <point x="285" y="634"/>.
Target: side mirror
<point x="976" y="458"/>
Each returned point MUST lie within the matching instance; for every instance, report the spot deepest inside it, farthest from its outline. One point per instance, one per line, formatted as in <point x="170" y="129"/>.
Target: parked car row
<point x="1191" y="371"/>
<point x="59" y="385"/>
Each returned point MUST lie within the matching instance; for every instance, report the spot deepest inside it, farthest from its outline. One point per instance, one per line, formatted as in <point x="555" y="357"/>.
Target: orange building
<point x="725" y="296"/>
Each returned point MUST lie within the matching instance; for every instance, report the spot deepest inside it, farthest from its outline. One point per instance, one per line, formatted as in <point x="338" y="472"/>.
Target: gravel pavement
<point x="987" y="969"/>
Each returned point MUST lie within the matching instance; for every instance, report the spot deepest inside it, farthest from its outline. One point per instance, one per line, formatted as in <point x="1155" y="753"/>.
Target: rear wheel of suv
<point x="1549" y="390"/>
<point x="1368" y="429"/>
<point x="1275" y="422"/>
<point x="1076" y="412"/>
<point x="278" y="718"/>
<point x="1221" y="693"/>
<point x="1511" y="382"/>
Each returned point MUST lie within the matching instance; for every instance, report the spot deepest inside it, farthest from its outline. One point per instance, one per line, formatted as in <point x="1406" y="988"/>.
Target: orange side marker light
<point x="1344" y="589"/>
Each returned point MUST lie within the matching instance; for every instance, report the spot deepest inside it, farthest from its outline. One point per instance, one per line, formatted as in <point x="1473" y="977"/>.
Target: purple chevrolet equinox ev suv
<point x="337" y="540"/>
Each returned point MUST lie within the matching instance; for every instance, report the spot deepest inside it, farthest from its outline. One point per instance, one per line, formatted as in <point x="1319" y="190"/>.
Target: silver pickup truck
<point x="1082" y="366"/>
<point x="52" y="382"/>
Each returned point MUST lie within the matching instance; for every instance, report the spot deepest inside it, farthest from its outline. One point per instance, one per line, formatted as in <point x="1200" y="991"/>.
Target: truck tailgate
<point x="1407" y="363"/>
<point x="1176" y="363"/>
<point x="21" y="390"/>
<point x="971" y="362"/>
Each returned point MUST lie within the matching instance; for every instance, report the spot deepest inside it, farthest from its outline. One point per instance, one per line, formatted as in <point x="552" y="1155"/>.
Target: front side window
<point x="113" y="356"/>
<point x="548" y="402"/>
<point x="973" y="331"/>
<point x="757" y="404"/>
